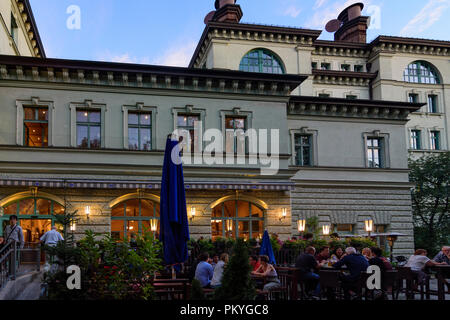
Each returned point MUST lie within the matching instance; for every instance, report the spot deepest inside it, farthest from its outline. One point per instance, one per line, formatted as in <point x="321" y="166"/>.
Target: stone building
<point x="90" y="136"/>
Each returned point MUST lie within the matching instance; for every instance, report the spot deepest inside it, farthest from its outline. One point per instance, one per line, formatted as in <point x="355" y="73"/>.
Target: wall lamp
<point x="283" y="214"/>
<point x="87" y="211"/>
<point x="301" y="225"/>
<point x="369" y="226"/>
<point x="193" y="212"/>
<point x="326" y="230"/>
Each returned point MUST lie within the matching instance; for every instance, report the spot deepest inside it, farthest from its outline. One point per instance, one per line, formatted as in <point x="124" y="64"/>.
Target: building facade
<point x="90" y="136"/>
<point x="19" y="35"/>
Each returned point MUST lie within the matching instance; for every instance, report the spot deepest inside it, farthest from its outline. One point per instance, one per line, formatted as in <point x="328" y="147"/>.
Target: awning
<point x="156" y="185"/>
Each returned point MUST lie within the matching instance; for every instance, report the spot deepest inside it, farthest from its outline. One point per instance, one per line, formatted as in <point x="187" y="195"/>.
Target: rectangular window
<point x="35" y="124"/>
<point x="325" y="66"/>
<point x="14" y="29"/>
<point x="186" y="122"/>
<point x="432" y="104"/>
<point x="88" y="129"/>
<point x="351" y="97"/>
<point x="413" y="98"/>
<point x="358" y="68"/>
<point x="314" y="65"/>
<point x="139" y="131"/>
<point x="375" y="152"/>
<point x="435" y="142"/>
<point x="343" y="228"/>
<point x="236" y="123"/>
<point x="303" y="150"/>
<point x="324" y="95"/>
<point x="345" y="67"/>
<point x="415" y="140"/>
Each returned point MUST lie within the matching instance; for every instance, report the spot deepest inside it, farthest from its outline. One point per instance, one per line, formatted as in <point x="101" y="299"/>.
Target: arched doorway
<point x="36" y="213"/>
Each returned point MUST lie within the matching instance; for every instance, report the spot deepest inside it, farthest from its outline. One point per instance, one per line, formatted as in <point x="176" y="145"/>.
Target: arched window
<point x="35" y="215"/>
<point x="261" y="60"/>
<point x="237" y="219"/>
<point x="134" y="216"/>
<point x="421" y="72"/>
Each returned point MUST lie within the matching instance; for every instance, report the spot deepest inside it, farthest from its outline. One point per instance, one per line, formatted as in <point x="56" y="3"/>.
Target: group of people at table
<point x="209" y="271"/>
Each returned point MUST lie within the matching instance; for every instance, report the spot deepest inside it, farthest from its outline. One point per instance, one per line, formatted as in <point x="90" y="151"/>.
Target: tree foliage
<point x="236" y="282"/>
<point x="431" y="176"/>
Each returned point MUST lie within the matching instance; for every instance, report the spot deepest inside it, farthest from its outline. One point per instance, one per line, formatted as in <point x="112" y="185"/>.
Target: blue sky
<point x="166" y="32"/>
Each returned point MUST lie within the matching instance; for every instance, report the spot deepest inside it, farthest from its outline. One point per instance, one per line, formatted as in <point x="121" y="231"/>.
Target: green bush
<point x="109" y="270"/>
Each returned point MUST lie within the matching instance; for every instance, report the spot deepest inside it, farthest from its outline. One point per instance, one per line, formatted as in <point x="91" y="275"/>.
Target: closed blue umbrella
<point x="174" y="229"/>
<point x="266" y="248"/>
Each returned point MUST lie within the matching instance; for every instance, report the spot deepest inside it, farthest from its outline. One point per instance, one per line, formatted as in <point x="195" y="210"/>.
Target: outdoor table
<point x="442" y="273"/>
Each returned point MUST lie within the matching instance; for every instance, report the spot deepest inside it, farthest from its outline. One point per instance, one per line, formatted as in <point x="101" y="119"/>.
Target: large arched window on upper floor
<point x="421" y="72"/>
<point x="262" y="60"/>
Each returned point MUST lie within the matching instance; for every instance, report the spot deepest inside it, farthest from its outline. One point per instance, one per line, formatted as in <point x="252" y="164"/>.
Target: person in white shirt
<point x="418" y="262"/>
<point x="51" y="239"/>
<point x="218" y="271"/>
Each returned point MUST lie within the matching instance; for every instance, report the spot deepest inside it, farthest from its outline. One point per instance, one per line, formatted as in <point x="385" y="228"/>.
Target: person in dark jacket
<point x="356" y="264"/>
<point x="308" y="267"/>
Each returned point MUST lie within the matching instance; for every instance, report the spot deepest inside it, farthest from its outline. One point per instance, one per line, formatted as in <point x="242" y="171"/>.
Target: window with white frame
<point x="435" y="140"/>
<point x="416" y="143"/>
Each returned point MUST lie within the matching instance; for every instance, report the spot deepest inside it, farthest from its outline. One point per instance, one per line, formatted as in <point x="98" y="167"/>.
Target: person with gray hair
<point x="356" y="264"/>
<point x="443" y="256"/>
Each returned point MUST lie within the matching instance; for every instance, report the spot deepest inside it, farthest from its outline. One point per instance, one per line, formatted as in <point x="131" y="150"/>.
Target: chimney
<point x="227" y="11"/>
<point x="354" y="25"/>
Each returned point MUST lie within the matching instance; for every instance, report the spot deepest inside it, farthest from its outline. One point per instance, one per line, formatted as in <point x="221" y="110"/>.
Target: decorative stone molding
<point x="146" y="77"/>
<point x="343" y="78"/>
<point x="344" y="217"/>
<point x="336" y="107"/>
<point x="139" y="106"/>
<point x="88" y="104"/>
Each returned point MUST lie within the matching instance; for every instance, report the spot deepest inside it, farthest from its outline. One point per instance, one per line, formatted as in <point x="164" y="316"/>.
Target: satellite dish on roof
<point x="209" y="17"/>
<point x="333" y="25"/>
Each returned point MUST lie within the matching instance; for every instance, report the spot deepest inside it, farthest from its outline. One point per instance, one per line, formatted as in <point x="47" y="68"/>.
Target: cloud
<point x="121" y="58"/>
<point x="178" y="55"/>
<point x="429" y="14"/>
<point x="318" y="4"/>
<point x="292" y="11"/>
<point x="321" y="17"/>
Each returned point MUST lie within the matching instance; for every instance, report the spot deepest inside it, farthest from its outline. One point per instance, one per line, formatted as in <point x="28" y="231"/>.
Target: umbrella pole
<point x="174" y="274"/>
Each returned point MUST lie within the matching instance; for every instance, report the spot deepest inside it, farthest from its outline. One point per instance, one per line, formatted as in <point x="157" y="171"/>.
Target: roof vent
<point x="226" y="11"/>
<point x="350" y="25"/>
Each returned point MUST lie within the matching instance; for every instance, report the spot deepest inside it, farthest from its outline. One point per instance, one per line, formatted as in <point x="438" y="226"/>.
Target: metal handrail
<point x="8" y="263"/>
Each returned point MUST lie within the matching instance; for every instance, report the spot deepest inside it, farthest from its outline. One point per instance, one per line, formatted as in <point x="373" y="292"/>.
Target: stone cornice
<point x="31" y="29"/>
<point x="341" y="49"/>
<point x="335" y="107"/>
<point x="348" y="78"/>
<point x="145" y="76"/>
<point x="252" y="32"/>
<point x="410" y="46"/>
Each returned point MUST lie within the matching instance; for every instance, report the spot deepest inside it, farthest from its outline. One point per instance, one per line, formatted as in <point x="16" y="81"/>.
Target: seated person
<point x="366" y="253"/>
<point x="337" y="255"/>
<point x="443" y="256"/>
<point x="268" y="271"/>
<point x="254" y="262"/>
<point x="377" y="259"/>
<point x="218" y="271"/>
<point x="323" y="255"/>
<point x="214" y="261"/>
<point x="356" y="264"/>
<point x="308" y="266"/>
<point x="418" y="262"/>
<point x="204" y="271"/>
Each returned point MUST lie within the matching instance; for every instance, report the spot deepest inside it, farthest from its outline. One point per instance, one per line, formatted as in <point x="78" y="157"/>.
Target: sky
<point x="167" y="32"/>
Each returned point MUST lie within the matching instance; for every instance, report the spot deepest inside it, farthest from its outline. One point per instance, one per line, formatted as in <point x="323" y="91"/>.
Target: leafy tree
<point x="236" y="282"/>
<point x="197" y="293"/>
<point x="431" y="176"/>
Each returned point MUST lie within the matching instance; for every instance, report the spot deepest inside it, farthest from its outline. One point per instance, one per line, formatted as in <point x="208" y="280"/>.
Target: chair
<point x="285" y="285"/>
<point x="405" y="275"/>
<point x="390" y="282"/>
<point x="330" y="281"/>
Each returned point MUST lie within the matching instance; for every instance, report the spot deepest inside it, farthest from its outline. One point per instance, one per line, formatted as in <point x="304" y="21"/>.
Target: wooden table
<point x="442" y="273"/>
